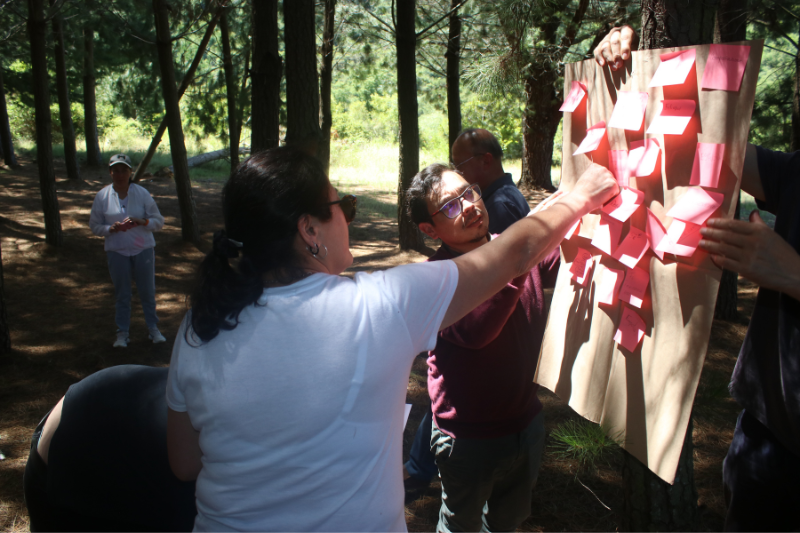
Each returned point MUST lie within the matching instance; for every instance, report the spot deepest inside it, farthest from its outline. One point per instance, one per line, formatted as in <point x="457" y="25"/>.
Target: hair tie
<point x="226" y="247"/>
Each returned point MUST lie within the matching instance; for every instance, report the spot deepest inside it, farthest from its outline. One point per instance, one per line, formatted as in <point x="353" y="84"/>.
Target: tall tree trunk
<point x="5" y="128"/>
<point x="189" y="228"/>
<point x="794" y="139"/>
<point x="93" y="155"/>
<point x="302" y="83"/>
<point x="325" y="80"/>
<point x="266" y="77"/>
<point x="406" y="43"/>
<point x="453" y="56"/>
<point x="64" y="112"/>
<point x="230" y="86"/>
<point x="540" y="126"/>
<point x="667" y="23"/>
<point x="242" y="100"/>
<point x="37" y="33"/>
<point x="5" y="335"/>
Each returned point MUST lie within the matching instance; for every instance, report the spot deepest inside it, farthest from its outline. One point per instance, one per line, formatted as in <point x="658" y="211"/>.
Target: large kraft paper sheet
<point x="644" y="398"/>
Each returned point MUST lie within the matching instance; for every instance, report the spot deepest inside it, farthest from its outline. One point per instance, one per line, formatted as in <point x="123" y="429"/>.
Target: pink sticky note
<point x="608" y="288"/>
<point x="696" y="205"/>
<point x="707" y="165"/>
<point x="574" y="97"/>
<point x="725" y="67"/>
<point x="629" y="110"/>
<point x="634" y="287"/>
<point x="618" y="165"/>
<point x="581" y="266"/>
<point x="642" y="158"/>
<point x="672" y="117"/>
<point x="674" y="68"/>
<point x="631" y="329"/>
<point x="572" y="230"/>
<point x="655" y="233"/>
<point x="682" y="238"/>
<point x="592" y="140"/>
<point x="632" y="248"/>
<point x="623" y="205"/>
<point x="607" y="234"/>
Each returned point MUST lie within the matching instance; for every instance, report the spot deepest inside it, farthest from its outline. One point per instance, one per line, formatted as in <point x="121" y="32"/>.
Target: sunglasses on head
<point x="348" y="204"/>
<point x="453" y="208"/>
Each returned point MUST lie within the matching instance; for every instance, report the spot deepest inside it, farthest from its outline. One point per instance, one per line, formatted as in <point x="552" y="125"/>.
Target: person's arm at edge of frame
<point x="485" y="270"/>
<point x="183" y="446"/>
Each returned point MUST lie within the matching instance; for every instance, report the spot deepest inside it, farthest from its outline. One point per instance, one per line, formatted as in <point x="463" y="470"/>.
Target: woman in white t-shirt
<point x="287" y="380"/>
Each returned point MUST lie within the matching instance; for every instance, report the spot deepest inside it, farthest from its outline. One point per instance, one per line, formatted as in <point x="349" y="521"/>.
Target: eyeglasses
<point x="468" y="159"/>
<point x="348" y="204"/>
<point x="453" y="208"/>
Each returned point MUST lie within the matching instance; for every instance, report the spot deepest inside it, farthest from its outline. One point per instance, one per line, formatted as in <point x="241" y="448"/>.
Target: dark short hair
<point x="425" y="183"/>
<point x="483" y="143"/>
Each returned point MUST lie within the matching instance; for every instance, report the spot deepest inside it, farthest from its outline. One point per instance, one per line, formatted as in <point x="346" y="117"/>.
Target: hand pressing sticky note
<point x="672" y="117"/>
<point x="609" y="286"/>
<point x="674" y="68"/>
<point x="655" y="233"/>
<point x="642" y="158"/>
<point x="581" y="267"/>
<point x="707" y="165"/>
<point x="632" y="248"/>
<point x="623" y="205"/>
<point x="607" y="234"/>
<point x="574" y="98"/>
<point x="725" y="67"/>
<point x="618" y="165"/>
<point x="634" y="287"/>
<point x="629" y="111"/>
<point x="631" y="329"/>
<point x="696" y="205"/>
<point x="682" y="238"/>
<point x="592" y="140"/>
<point x="572" y="230"/>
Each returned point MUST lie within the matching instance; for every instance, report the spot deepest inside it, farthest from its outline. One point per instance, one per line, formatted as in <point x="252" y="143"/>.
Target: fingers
<point x="615" y="48"/>
<point x="731" y="225"/>
<point x="626" y="38"/>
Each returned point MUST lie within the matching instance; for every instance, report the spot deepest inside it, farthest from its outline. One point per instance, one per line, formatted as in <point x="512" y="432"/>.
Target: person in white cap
<point x="126" y="215"/>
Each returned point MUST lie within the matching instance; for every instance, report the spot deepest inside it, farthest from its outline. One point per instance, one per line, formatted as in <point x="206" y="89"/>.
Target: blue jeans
<point x="421" y="462"/>
<point x="487" y="483"/>
<point x="141" y="268"/>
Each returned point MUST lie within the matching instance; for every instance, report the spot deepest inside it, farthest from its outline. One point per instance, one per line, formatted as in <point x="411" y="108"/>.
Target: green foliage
<point x="583" y="441"/>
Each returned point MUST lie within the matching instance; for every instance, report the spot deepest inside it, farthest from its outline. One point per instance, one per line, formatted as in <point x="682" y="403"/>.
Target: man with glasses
<point x="480" y="376"/>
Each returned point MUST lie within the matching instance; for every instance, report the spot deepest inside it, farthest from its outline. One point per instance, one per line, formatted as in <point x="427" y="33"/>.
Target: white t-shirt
<point x="300" y="407"/>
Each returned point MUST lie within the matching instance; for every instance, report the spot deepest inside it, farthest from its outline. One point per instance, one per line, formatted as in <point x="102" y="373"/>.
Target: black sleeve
<point x="780" y="177"/>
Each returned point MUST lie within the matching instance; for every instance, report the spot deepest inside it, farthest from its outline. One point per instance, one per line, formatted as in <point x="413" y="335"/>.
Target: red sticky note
<point x="707" y="165"/>
<point x="725" y="67"/>
<point x="607" y="234"/>
<point x="631" y="329"/>
<point x="635" y="287"/>
<point x="632" y="248"/>
<point x="581" y="266"/>
<point x="655" y="233"/>
<point x="618" y="165"/>
<point x="592" y="140"/>
<point x="623" y="205"/>
<point x="572" y="230"/>
<point x="629" y="110"/>
<point x="696" y="205"/>
<point x="674" y="68"/>
<point x="574" y="97"/>
<point x="642" y="158"/>
<point x="682" y="238"/>
<point x="608" y="288"/>
<point x="672" y="117"/>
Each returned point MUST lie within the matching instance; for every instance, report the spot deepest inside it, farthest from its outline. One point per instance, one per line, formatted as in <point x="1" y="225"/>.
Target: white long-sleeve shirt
<point x="106" y="210"/>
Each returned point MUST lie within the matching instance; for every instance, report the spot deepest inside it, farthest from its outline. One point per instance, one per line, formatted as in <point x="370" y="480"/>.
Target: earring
<point x="315" y="251"/>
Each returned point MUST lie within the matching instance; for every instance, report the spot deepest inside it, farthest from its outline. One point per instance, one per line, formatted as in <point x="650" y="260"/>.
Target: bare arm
<point x="183" y="446"/>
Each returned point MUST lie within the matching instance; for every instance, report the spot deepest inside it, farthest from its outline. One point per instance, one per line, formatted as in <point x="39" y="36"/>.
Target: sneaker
<point x="122" y="340"/>
<point x="156" y="336"/>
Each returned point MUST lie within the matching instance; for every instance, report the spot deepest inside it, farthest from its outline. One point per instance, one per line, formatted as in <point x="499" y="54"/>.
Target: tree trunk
<point x="5" y="335"/>
<point x="37" y="32"/>
<point x="794" y="139"/>
<point x="266" y="77"/>
<point x="242" y="100"/>
<point x="453" y="56"/>
<point x="5" y="129"/>
<point x="189" y="228"/>
<point x="230" y="86"/>
<point x="64" y="112"/>
<point x="325" y="80"/>
<point x="667" y="23"/>
<point x="406" y="43"/>
<point x="93" y="155"/>
<point x="539" y="129"/>
<point x="302" y="83"/>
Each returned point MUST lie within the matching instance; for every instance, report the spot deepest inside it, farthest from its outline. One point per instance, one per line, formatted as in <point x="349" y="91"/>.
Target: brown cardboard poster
<point x="643" y="396"/>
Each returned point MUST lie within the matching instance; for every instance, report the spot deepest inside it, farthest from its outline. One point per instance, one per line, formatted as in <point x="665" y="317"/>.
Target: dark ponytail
<point x="262" y="202"/>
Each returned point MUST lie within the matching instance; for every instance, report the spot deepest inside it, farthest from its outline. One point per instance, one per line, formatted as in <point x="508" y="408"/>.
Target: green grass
<point x="583" y="441"/>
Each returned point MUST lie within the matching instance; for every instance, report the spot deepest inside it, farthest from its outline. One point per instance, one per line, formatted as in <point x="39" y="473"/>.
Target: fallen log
<point x="202" y="159"/>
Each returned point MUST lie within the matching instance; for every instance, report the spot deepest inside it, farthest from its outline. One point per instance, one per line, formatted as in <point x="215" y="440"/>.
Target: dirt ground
<point x="60" y="309"/>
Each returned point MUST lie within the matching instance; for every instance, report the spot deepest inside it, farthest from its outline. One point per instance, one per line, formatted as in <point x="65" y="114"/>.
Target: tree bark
<point x="325" y="82"/>
<point x="539" y="128"/>
<point x="93" y="155"/>
<point x="453" y="56"/>
<point x="5" y="129"/>
<point x="407" y="109"/>
<point x="242" y="100"/>
<point x="5" y="335"/>
<point x="302" y="82"/>
<point x="230" y="86"/>
<point x="189" y="227"/>
<point x="266" y="77"/>
<point x="668" y="23"/>
<point x="794" y="138"/>
<point x="64" y="112"/>
<point x="37" y="32"/>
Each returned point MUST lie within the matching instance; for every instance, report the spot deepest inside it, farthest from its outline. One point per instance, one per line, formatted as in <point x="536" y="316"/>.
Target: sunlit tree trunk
<point x="539" y="130"/>
<point x="93" y="155"/>
<point x="453" y="56"/>
<point x="5" y="129"/>
<point x="302" y="82"/>
<point x="64" y="112"/>
<point x="325" y="81"/>
<point x="230" y="86"/>
<point x="266" y="77"/>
